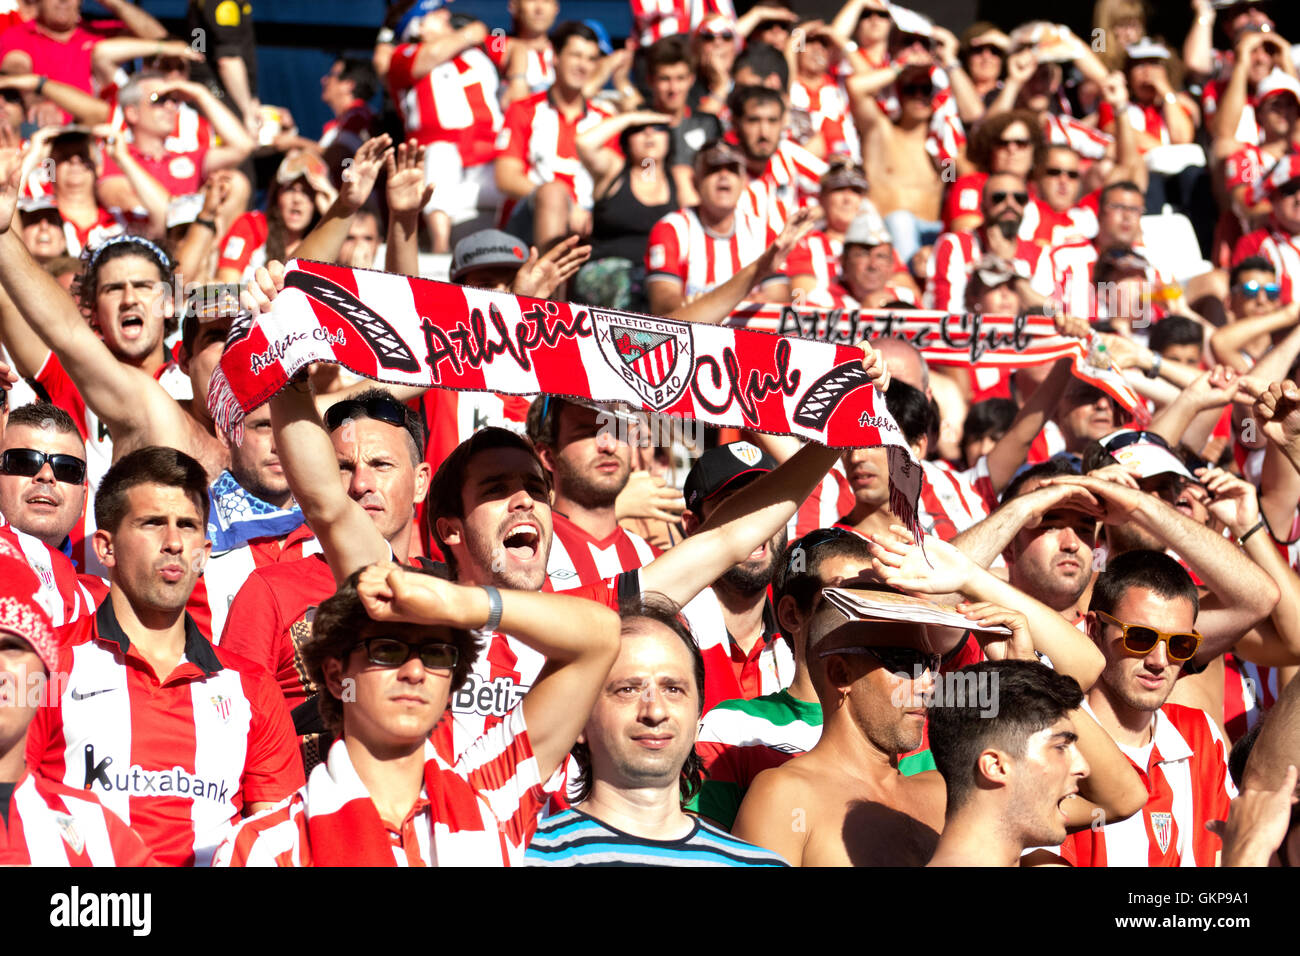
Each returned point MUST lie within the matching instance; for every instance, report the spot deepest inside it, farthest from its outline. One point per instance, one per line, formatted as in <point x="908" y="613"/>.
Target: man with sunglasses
<point x="1003" y="202"/>
<point x="1279" y="240"/>
<point x="389" y="650"/>
<point x="1259" y="327"/>
<point x="1143" y="616"/>
<point x="149" y="107"/>
<point x="1061" y="215"/>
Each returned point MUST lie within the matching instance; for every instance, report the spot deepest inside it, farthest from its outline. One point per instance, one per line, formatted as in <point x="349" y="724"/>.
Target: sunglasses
<point x="1252" y="288"/>
<point x="871" y="14"/>
<point x="901" y="661"/>
<point x="707" y="35"/>
<point x="27" y="463"/>
<point x="387" y="410"/>
<point x="162" y="99"/>
<point x="1141" y="640"/>
<point x="987" y="48"/>
<point x="922" y="90"/>
<point x="390" y="652"/>
<point x="1016" y="143"/>
<point x="11" y="96"/>
<point x="1052" y="172"/>
<point x="1000" y="197"/>
<point x="801" y="553"/>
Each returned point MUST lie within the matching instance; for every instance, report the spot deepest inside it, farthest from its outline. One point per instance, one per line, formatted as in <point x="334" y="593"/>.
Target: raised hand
<point x="1114" y="90"/>
<point x="1117" y="502"/>
<point x="1232" y="500"/>
<point x="360" y="174"/>
<point x="1279" y="410"/>
<point x="540" y="276"/>
<point x="258" y="296"/>
<point x="873" y="361"/>
<point x="1258" y="821"/>
<point x="900" y="562"/>
<point x="1021" y="66"/>
<point x="796" y="227"/>
<point x="1214" y="389"/>
<point x="1018" y="646"/>
<point x="406" y="190"/>
<point x="11" y="166"/>
<point x="649" y="496"/>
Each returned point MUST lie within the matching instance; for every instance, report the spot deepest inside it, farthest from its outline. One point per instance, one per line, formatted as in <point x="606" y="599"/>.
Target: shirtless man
<point x="845" y="803"/>
<point x="902" y="175"/>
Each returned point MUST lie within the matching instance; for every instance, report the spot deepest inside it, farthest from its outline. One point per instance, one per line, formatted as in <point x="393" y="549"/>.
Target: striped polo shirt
<point x="573" y="838"/>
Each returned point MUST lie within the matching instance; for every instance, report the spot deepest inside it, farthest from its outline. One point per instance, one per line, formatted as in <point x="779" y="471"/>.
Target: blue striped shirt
<point x="572" y="838"/>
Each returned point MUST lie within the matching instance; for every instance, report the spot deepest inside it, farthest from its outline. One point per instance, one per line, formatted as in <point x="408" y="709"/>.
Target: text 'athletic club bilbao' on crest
<point x="654" y="356"/>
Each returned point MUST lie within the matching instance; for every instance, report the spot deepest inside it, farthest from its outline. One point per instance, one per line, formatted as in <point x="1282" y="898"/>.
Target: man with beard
<point x="1143" y="616"/>
<point x="637" y="763"/>
<point x="1002" y="205"/>
<point x="589" y="462"/>
<point x="782" y="175"/>
<point x="735" y="624"/>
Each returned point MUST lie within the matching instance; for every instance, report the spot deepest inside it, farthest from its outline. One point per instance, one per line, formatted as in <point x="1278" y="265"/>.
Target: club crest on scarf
<point x="654" y="356"/>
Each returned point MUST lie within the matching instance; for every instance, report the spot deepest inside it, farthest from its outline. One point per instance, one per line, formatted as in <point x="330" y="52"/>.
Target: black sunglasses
<point x="1019" y="143"/>
<point x="924" y="90"/>
<point x="390" y="652"/>
<point x="905" y="662"/>
<point x="707" y="35"/>
<point x="1054" y="171"/>
<point x="28" y="462"/>
<point x="987" y="48"/>
<point x="387" y="410"/>
<point x="1000" y="197"/>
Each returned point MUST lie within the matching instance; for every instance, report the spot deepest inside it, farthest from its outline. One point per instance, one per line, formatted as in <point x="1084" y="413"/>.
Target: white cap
<point x="1147" y="49"/>
<point x="1138" y="452"/>
<point x="867" y="229"/>
<point x="1277" y="82"/>
<point x="909" y="21"/>
<point x="183" y="210"/>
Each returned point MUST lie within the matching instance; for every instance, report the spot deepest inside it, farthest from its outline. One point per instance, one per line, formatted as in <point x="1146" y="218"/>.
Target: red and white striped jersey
<point x="655" y="19"/>
<point x="504" y="672"/>
<point x="730" y="672"/>
<point x="455" y="102"/>
<point x="1247" y="167"/>
<point x="51" y="824"/>
<point x="1186" y="774"/>
<point x="950" y="502"/>
<point x="1047" y="227"/>
<point x="791" y="180"/>
<point x="1248" y="130"/>
<point x="539" y="67"/>
<point x="955" y="254"/>
<point x="226" y="573"/>
<point x="63" y="391"/>
<point x="577" y="559"/>
<point x="1087" y="141"/>
<point x="479" y="810"/>
<point x="836" y="296"/>
<point x="536" y="132"/>
<point x="176" y="756"/>
<point x="62" y="595"/>
<point x="1144" y="119"/>
<point x="827" y="105"/>
<point x="817" y="255"/>
<point x="1278" y="247"/>
<point x="682" y="248"/>
<point x="831" y="498"/>
<point x="1064" y="274"/>
<point x="1248" y="691"/>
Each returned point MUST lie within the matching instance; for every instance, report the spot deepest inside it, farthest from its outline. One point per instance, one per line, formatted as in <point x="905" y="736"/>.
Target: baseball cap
<point x="1147" y="49"/>
<point x="844" y="177"/>
<point x="720" y="467"/>
<point x="487" y="247"/>
<point x="718" y="154"/>
<point x="1277" y="82"/>
<point x="21" y="613"/>
<point x="183" y="210"/>
<point x="867" y="229"/>
<point x="408" y="28"/>
<point x="38" y="204"/>
<point x="909" y="21"/>
<point x="1145" y="453"/>
<point x="1284" y="172"/>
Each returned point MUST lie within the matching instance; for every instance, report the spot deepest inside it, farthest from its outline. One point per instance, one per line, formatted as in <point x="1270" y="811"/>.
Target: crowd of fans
<point x="420" y="627"/>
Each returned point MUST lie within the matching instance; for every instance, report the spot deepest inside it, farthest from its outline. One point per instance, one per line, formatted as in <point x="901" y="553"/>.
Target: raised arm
<point x="440" y="49"/>
<point x="151" y="193"/>
<point x="325" y="241"/>
<point x="1198" y="46"/>
<point x="1278" y="412"/>
<point x="983" y="541"/>
<point x="137" y="20"/>
<point x="83" y="107"/>
<point x="1228" y="342"/>
<point x="1012" y="449"/>
<point x="108" y="54"/>
<point x="407" y="195"/>
<point x="579" y="639"/>
<point x="1113" y="790"/>
<point x="236" y="144"/>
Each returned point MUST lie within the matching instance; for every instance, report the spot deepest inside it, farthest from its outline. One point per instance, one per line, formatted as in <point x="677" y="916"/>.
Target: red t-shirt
<point x="244" y="246"/>
<point x="180" y="173"/>
<point x="67" y="61"/>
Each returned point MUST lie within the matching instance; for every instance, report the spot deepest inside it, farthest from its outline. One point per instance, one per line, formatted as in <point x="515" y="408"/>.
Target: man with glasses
<point x="388" y="651"/>
<point x="866" y="269"/>
<point x="1258" y="324"/>
<point x="1061" y="216"/>
<point x="1143" y="616"/>
<point x="149" y="106"/>
<point x="715" y="46"/>
<point x="1065" y="273"/>
<point x="1003" y="202"/>
<point x="1279" y="240"/>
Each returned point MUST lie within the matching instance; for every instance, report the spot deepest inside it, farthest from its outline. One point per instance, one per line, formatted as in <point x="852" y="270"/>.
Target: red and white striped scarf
<point x="409" y="331"/>
<point x="945" y="338"/>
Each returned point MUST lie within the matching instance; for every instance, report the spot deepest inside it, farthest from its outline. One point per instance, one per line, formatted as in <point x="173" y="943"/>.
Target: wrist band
<point x="40" y="84"/>
<point x="1242" y="540"/>
<point x="206" y="223"/>
<point x="1171" y="99"/>
<point x="494" y="610"/>
<point x="1156" y="362"/>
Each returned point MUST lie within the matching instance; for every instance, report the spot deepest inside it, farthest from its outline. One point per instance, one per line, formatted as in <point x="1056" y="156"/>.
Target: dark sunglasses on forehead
<point x="1252" y="289"/>
<point x="1141" y="639"/>
<point x="903" y="661"/>
<point x="1052" y="172"/>
<point x="1000" y="197"/>
<point x="387" y="410"/>
<point x="801" y="553"/>
<point x="391" y="652"/>
<point x="28" y="462"/>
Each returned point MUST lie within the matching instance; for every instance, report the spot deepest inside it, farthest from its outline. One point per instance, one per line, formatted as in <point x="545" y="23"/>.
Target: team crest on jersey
<point x="1162" y="825"/>
<point x="68" y="829"/>
<point x="222" y="704"/>
<point x="653" y="356"/>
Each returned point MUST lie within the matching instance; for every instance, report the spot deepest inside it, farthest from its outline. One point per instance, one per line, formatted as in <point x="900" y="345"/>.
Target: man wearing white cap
<point x="42" y="821"/>
<point x="1277" y="111"/>
<point x="866" y="268"/>
<point x="1158" y="114"/>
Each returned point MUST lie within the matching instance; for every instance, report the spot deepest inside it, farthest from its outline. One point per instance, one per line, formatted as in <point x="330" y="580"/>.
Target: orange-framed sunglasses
<point x="1141" y="639"/>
